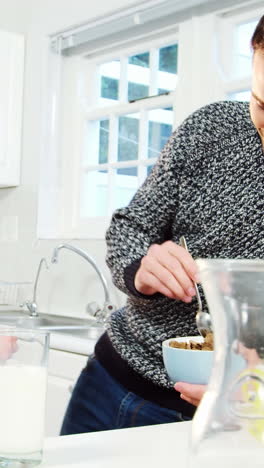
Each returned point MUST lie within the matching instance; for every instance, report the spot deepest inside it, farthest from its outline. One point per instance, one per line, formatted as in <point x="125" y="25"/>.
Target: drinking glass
<point x="228" y="426"/>
<point x="23" y="385"/>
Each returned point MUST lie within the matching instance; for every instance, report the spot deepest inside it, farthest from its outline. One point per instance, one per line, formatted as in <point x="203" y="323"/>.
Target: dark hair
<point x="257" y="41"/>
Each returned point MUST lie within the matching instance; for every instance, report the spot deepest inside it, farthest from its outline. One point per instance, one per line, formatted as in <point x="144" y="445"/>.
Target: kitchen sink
<point x="91" y="333"/>
<point x="83" y="328"/>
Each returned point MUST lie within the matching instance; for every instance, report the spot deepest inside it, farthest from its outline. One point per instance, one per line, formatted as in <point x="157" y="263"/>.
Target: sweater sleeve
<point x="149" y="216"/>
<point x="152" y="212"/>
<point x="129" y="278"/>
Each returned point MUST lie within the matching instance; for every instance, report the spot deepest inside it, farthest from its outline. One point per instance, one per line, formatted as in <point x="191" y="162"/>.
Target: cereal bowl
<point x="187" y="365"/>
<point x="192" y="365"/>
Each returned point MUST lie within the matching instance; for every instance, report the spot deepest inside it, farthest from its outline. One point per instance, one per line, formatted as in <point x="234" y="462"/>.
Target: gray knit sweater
<point x="208" y="186"/>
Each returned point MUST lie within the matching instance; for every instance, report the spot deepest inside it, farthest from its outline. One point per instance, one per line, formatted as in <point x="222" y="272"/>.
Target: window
<point x="134" y="109"/>
<point x="110" y="113"/>
<point x="242" y="51"/>
<point x="240" y="95"/>
<point x="113" y="178"/>
<point x="238" y="79"/>
<point x="142" y="73"/>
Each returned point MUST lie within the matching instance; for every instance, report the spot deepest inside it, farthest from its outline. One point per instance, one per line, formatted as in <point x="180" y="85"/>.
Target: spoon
<point x="202" y="318"/>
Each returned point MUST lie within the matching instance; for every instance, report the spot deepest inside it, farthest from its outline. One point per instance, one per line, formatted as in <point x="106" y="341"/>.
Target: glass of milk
<point x="23" y="385"/>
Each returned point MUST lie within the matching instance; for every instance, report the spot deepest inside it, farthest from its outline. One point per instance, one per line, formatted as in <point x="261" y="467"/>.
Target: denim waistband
<point x="119" y="369"/>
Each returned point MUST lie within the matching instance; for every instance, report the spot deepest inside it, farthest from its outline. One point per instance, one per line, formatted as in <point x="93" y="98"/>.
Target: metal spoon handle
<point x="184" y="245"/>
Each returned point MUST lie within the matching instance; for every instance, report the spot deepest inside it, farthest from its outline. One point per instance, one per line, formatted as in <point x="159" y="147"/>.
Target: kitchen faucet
<point x="32" y="305"/>
<point x="101" y="314"/>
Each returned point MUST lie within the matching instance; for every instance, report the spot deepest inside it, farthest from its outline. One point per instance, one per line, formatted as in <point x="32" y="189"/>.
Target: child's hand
<point x="190" y="392"/>
<point x="8" y="346"/>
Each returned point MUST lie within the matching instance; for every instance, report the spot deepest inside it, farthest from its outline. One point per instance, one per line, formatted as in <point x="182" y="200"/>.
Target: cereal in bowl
<point x="206" y="345"/>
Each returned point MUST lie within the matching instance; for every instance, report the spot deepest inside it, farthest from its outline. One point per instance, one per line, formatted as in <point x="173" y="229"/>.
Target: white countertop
<point x="159" y="446"/>
<point x="144" y="447"/>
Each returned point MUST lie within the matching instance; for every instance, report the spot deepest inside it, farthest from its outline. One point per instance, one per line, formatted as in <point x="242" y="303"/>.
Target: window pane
<point x="127" y="171"/>
<point x="128" y="137"/>
<point x="149" y="169"/>
<point x="160" y="123"/>
<point x="109" y="88"/>
<point x="141" y="60"/>
<point x="242" y="52"/>
<point x="239" y="96"/>
<point x="94" y="194"/>
<point x="138" y="76"/>
<point x="109" y="78"/>
<point x="168" y="63"/>
<point x="162" y="91"/>
<point x="103" y="141"/>
<point x="96" y="142"/>
<point x="125" y="187"/>
<point x="137" y="91"/>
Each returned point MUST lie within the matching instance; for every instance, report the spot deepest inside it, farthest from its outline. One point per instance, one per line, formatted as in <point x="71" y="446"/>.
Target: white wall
<point x="15" y="15"/>
<point x="68" y="286"/>
<point x="57" y="15"/>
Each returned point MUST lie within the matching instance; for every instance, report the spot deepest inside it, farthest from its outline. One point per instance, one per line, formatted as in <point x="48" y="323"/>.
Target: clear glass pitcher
<point x="23" y="385"/>
<point x="228" y="427"/>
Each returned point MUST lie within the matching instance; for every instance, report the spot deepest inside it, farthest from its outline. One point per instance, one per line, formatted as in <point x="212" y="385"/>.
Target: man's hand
<point x="190" y="392"/>
<point x="168" y="269"/>
<point x="8" y="346"/>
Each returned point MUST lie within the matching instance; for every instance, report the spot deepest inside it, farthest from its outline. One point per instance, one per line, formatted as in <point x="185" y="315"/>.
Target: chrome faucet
<point x="32" y="305"/>
<point x="103" y="313"/>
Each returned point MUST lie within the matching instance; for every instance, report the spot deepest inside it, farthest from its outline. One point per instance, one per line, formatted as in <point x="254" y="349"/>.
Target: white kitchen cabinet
<point x="59" y="392"/>
<point x="64" y="369"/>
<point x="11" y="106"/>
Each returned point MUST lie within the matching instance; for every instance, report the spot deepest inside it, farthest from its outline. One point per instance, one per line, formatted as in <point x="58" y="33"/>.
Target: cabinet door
<point x="64" y="369"/>
<point x="58" y="395"/>
<point x="65" y="364"/>
<point x="11" y="98"/>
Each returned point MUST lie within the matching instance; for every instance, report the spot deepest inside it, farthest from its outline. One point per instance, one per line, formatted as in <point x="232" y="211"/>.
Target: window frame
<point x="58" y="210"/>
<point x="231" y="20"/>
<point x="94" y="227"/>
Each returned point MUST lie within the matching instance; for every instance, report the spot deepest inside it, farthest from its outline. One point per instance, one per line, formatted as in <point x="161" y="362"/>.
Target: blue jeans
<point x="100" y="403"/>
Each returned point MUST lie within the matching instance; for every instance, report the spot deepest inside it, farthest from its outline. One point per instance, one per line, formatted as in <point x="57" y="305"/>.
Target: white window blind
<point x="142" y="20"/>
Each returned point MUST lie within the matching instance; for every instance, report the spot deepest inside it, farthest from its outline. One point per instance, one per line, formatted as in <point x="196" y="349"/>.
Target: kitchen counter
<point x="159" y="446"/>
<point x="156" y="446"/>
